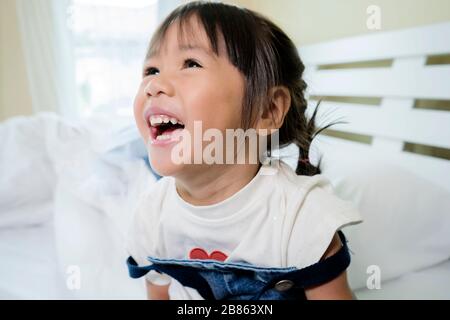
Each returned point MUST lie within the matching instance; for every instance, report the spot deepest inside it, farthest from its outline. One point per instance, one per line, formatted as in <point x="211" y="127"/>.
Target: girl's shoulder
<point x="143" y="229"/>
<point x="314" y="213"/>
<point x="145" y="214"/>
<point x="300" y="185"/>
<point x="154" y="194"/>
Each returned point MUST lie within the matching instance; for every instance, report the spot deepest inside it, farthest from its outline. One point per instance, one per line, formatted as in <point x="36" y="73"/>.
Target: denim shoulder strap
<point x="136" y="271"/>
<point x="187" y="276"/>
<point x="322" y="271"/>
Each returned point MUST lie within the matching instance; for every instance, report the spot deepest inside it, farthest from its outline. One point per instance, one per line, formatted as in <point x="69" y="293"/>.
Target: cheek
<point x="231" y="94"/>
<point x="218" y="104"/>
<point x="138" y="110"/>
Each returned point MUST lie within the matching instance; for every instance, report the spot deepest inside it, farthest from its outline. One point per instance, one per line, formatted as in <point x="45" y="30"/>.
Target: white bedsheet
<point x="430" y="283"/>
<point x="29" y="267"/>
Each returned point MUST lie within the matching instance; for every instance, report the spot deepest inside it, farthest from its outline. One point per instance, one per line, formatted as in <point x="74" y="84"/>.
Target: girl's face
<point x="186" y="81"/>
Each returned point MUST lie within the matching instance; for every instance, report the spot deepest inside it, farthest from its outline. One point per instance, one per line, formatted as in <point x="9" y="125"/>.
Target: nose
<point x="157" y="86"/>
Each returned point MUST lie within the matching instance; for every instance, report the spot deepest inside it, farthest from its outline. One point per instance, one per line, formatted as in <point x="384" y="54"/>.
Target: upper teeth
<point x="159" y="119"/>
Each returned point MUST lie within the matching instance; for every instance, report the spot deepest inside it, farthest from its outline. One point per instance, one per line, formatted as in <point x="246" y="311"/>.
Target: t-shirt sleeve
<point x="141" y="239"/>
<point x="320" y="215"/>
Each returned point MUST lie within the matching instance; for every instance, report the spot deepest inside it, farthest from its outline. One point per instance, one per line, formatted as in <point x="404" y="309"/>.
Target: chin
<point x="163" y="166"/>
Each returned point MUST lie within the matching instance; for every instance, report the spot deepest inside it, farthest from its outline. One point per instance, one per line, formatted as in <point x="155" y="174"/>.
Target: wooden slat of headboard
<point x="391" y="120"/>
<point x="419" y="41"/>
<point x="429" y="82"/>
<point x="386" y="128"/>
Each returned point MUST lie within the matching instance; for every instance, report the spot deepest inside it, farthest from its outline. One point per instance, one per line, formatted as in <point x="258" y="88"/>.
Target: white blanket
<point x="83" y="178"/>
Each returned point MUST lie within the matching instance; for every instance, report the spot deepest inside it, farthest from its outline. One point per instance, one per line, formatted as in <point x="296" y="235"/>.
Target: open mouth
<point x="163" y="127"/>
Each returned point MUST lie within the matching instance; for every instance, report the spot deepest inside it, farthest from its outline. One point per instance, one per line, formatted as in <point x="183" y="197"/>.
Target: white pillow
<point x="27" y="178"/>
<point x="406" y="223"/>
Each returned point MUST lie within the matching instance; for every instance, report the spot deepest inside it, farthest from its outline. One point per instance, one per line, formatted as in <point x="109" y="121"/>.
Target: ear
<point x="273" y="115"/>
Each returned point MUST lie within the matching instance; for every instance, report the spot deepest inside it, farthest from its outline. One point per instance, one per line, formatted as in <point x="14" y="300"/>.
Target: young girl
<point x="240" y="230"/>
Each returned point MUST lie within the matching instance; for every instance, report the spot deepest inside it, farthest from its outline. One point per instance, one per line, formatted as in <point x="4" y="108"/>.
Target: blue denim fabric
<point x="217" y="280"/>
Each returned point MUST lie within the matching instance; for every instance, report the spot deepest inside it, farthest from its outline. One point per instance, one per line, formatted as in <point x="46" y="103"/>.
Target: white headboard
<point x="393" y="90"/>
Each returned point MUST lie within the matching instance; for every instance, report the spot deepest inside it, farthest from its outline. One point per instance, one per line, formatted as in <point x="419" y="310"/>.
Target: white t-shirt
<point x="279" y="219"/>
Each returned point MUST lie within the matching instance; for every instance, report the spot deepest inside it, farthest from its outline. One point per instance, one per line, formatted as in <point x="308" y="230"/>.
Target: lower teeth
<point x="163" y="137"/>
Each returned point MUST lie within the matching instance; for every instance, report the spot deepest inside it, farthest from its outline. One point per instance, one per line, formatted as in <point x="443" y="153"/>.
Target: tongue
<point x="170" y="130"/>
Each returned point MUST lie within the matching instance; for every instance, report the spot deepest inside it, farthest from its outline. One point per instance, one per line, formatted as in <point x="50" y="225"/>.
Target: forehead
<point x="183" y="35"/>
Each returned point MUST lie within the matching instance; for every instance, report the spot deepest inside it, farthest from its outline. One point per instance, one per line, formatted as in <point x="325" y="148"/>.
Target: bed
<point x="390" y="153"/>
<point x="68" y="187"/>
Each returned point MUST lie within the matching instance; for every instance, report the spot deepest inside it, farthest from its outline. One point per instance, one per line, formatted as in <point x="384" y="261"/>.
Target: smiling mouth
<point x="163" y="127"/>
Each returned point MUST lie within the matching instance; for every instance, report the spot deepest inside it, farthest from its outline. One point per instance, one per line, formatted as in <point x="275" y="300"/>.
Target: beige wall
<point x="14" y="93"/>
<point x="309" y="21"/>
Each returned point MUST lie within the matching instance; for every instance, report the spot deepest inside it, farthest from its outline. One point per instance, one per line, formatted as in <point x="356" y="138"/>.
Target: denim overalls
<point x="216" y="280"/>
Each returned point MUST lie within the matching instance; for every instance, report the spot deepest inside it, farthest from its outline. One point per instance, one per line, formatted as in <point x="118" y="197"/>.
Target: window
<point x="110" y="40"/>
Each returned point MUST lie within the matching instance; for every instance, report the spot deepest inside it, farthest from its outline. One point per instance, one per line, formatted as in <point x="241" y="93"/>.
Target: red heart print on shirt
<point x="199" y="253"/>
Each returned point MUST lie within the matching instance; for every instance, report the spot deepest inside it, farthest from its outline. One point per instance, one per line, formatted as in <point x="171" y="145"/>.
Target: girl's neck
<point x="215" y="184"/>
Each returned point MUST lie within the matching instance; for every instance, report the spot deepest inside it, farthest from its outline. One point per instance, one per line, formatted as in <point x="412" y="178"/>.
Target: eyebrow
<point x="194" y="47"/>
<point x="186" y="47"/>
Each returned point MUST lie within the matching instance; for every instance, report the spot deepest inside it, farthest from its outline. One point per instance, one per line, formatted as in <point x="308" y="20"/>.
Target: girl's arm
<point x="336" y="289"/>
<point x="155" y="292"/>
